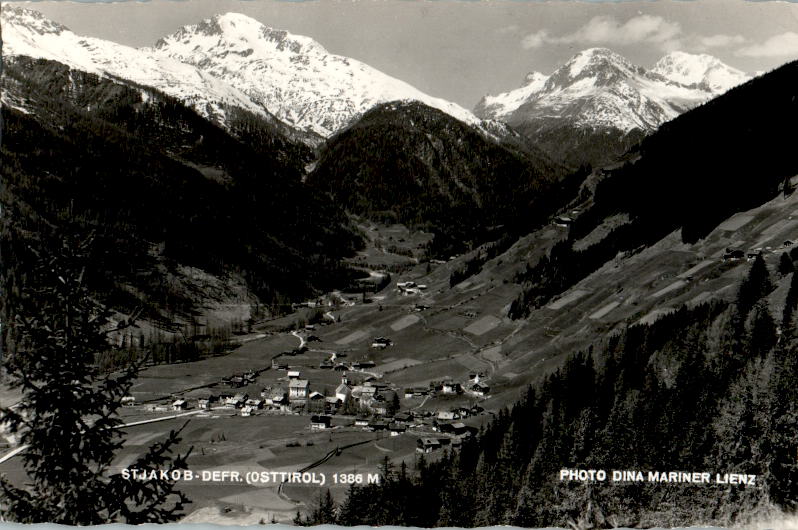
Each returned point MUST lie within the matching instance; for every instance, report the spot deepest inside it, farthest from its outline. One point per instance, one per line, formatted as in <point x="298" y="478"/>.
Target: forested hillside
<point x="161" y="187"/>
<point x="708" y="389"/>
<point x="414" y="164"/>
<point x="728" y="155"/>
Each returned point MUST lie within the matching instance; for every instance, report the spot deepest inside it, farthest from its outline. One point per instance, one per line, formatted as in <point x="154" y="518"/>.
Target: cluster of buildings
<point x="239" y="380"/>
<point x="474" y="386"/>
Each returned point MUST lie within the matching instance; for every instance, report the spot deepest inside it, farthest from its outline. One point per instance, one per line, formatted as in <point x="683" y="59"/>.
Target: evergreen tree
<point x="786" y="265"/>
<point x="68" y="416"/>
<point x="755" y="286"/>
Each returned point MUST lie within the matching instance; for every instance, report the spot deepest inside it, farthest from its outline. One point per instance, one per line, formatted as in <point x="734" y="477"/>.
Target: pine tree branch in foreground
<point x="69" y="413"/>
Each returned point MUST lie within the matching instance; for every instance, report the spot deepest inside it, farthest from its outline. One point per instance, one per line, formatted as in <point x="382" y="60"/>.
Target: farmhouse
<point x="179" y="404"/>
<point x="236" y="401"/>
<point x="332" y="404"/>
<point x="128" y="401"/>
<point x="450" y="387"/>
<point x="447" y="415"/>
<point x="480" y="389"/>
<point x="362" y="365"/>
<point x="563" y="221"/>
<point x="427" y="445"/>
<point x="381" y="343"/>
<point x="298" y="389"/>
<point x="404" y="417"/>
<point x="460" y="429"/>
<point x="247" y="411"/>
<point x="254" y="403"/>
<point x="396" y="429"/>
<point x="318" y="423"/>
<point x="733" y="254"/>
<point x="293" y="374"/>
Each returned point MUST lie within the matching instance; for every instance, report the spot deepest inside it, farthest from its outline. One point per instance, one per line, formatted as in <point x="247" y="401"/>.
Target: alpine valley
<point x="442" y="312"/>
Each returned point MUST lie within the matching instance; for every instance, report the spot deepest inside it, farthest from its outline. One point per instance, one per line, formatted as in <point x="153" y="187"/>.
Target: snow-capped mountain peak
<point x="291" y="75"/>
<point x="598" y="88"/>
<point x="28" y="33"/>
<point x="696" y="69"/>
<point x="601" y="65"/>
<point x="237" y="33"/>
<point x="34" y="21"/>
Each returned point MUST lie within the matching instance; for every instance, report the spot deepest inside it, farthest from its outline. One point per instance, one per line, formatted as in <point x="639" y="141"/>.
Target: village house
<point x="404" y="417"/>
<point x="128" y="401"/>
<point x="381" y="343"/>
<point x="364" y="392"/>
<point x="563" y="221"/>
<point x="254" y="403"/>
<point x="293" y="374"/>
<point x="363" y="365"/>
<point x="332" y="404"/>
<point x="362" y="422"/>
<point x="298" y="389"/>
<point x="236" y="401"/>
<point x="318" y="423"/>
<point x="457" y="429"/>
<point x="205" y="403"/>
<point x="179" y="404"/>
<point x="480" y="389"/>
<point x="450" y="387"/>
<point x="396" y="429"/>
<point x="378" y="425"/>
<point x="247" y="411"/>
<point x="447" y="415"/>
<point x="427" y="445"/>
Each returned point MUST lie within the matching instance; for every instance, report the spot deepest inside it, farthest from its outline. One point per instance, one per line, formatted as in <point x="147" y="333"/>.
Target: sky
<point x="463" y="49"/>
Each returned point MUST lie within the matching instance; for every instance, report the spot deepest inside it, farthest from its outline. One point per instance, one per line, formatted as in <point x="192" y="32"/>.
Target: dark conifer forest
<point x="708" y="389"/>
<point x="161" y="186"/>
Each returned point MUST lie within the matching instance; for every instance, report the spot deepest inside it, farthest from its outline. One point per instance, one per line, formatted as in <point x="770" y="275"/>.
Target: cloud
<point x="535" y="40"/>
<point x="782" y="45"/>
<point x="721" y="41"/>
<point x="608" y="30"/>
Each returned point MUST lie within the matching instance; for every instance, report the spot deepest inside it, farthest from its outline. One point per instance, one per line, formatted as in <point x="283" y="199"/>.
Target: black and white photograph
<point x="411" y="263"/>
